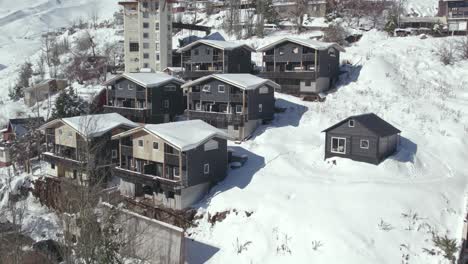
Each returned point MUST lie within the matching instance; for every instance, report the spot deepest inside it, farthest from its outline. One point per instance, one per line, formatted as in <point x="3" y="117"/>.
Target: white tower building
<point x="148" y="35"/>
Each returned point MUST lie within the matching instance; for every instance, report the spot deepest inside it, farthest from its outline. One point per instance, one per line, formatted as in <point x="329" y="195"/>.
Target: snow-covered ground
<point x="299" y="200"/>
<point x="422" y="7"/>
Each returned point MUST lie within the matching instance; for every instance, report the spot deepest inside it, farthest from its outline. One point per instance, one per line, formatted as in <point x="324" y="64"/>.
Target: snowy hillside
<point x="355" y="210"/>
<point x="423" y="7"/>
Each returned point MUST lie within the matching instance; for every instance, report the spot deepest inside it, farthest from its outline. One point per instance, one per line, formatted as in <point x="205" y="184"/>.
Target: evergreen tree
<point x="269" y="12"/>
<point x="25" y="73"/>
<point x="69" y="104"/>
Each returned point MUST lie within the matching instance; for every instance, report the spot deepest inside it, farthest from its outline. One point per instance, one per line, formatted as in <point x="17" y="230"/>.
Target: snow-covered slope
<point x="422" y="7"/>
<point x="355" y="210"/>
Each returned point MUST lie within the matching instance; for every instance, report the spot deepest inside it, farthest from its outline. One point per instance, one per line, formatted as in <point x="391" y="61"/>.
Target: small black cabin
<point x="366" y="138"/>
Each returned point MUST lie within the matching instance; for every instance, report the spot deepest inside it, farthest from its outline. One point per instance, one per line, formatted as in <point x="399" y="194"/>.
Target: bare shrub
<point x="384" y="225"/>
<point x="241" y="246"/>
<point x="446" y="53"/>
<point x="316" y="244"/>
<point x="463" y="48"/>
<point x="335" y="33"/>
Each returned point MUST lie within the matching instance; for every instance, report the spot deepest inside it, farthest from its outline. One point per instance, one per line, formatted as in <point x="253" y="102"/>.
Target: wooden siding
<point x="146" y="152"/>
<point x="67" y="137"/>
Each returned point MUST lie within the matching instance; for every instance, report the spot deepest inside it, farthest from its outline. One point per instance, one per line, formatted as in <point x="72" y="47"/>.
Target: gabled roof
<point x="243" y="81"/>
<point x="219" y="44"/>
<point x="372" y="122"/>
<point x="311" y="43"/>
<point x="184" y="135"/>
<point x="147" y="80"/>
<point x="90" y="126"/>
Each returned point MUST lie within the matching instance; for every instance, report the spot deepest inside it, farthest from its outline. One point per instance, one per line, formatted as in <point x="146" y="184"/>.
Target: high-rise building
<point x="148" y="35"/>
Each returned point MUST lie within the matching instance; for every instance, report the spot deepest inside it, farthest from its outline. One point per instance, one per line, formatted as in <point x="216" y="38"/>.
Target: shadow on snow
<point x="198" y="252"/>
<point x="406" y="151"/>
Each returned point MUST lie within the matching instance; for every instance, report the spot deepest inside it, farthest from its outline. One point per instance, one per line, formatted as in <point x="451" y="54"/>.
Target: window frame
<point x="260" y="108"/>
<point x="364" y="140"/>
<point x="145" y="25"/>
<point x="338" y="145"/>
<point x="157" y="145"/>
<point x="224" y="88"/>
<point x="206" y="168"/>
<point x="206" y="90"/>
<point x="241" y="111"/>
<point x="114" y="154"/>
<point x="351" y="123"/>
<point x="131" y="86"/>
<point x="142" y="145"/>
<point x="198" y="106"/>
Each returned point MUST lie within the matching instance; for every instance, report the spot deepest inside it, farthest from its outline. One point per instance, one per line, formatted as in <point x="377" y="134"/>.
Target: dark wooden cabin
<point x="367" y="138"/>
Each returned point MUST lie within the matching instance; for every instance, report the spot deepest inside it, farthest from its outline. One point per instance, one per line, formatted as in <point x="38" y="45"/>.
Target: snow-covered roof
<point x="311" y="43"/>
<point x="219" y="44"/>
<point x="148" y="80"/>
<point x="174" y="69"/>
<point x="372" y="122"/>
<point x="243" y="81"/>
<point x="93" y="125"/>
<point x="184" y="135"/>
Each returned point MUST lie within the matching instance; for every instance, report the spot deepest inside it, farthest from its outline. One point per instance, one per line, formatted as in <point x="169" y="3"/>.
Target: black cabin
<point x="367" y="138"/>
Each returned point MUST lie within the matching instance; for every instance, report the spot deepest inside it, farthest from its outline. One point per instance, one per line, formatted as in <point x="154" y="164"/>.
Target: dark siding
<point x="267" y="101"/>
<point x="125" y="92"/>
<point x="214" y="95"/>
<point x="387" y="146"/>
<point x="217" y="159"/>
<point x="202" y="56"/>
<point x="238" y="61"/>
<point x="288" y="55"/>
<point x="176" y="102"/>
<point x="329" y="66"/>
<point x="353" y="136"/>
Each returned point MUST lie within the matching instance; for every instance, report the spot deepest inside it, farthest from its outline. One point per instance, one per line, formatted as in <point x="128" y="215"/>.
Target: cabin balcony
<point x="301" y="75"/>
<point x="112" y="94"/>
<point x="139" y="113"/>
<point x="63" y="155"/>
<point x="309" y="58"/>
<point x="234" y="97"/>
<point x="217" y="117"/>
<point x="147" y="179"/>
<point x="174" y="160"/>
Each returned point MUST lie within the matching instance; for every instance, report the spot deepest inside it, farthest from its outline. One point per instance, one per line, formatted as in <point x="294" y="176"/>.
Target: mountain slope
<point x="355" y="210"/>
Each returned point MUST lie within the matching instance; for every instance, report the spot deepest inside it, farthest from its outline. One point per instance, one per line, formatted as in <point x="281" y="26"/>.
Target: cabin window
<point x="60" y="131"/>
<point x="134" y="47"/>
<point x="332" y="53"/>
<point x="195" y="52"/>
<point x="208" y="51"/>
<point x="146" y="45"/>
<point x="166" y="103"/>
<point x="140" y="143"/>
<point x="239" y="109"/>
<point x="211" y="145"/>
<point x="176" y="172"/>
<point x="114" y="154"/>
<point x="295" y="50"/>
<point x="198" y="106"/>
<point x="145" y="35"/>
<point x="145" y="55"/>
<point x="157" y="46"/>
<point x="364" y="144"/>
<point x="131" y="86"/>
<point x="52" y="165"/>
<point x="263" y="90"/>
<point x="155" y="145"/>
<point x="236" y="127"/>
<point x="351" y="123"/>
<point x="145" y="4"/>
<point x="281" y="51"/>
<point x="221" y="88"/>
<point x="338" y="145"/>
<point x="145" y="15"/>
<point x="145" y="25"/>
<point x="145" y="65"/>
<point x="170" y="195"/>
<point x="206" y="168"/>
<point x="69" y="134"/>
<point x="206" y="88"/>
<point x="157" y="26"/>
<point x="260" y="108"/>
<point x="170" y="88"/>
<point x="157" y="56"/>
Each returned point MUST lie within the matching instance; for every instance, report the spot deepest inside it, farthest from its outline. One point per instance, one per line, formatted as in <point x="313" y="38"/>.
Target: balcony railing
<point x="134" y="176"/>
<point x="139" y="94"/>
<point x="126" y="111"/>
<point x="198" y="74"/>
<point x="173" y="159"/>
<point x="214" y="116"/>
<point x="197" y="96"/>
<point x="301" y="75"/>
